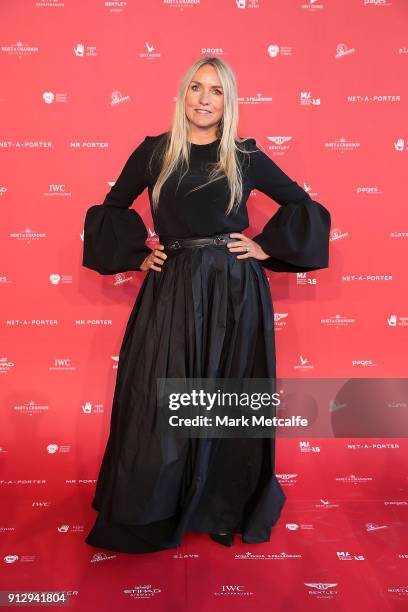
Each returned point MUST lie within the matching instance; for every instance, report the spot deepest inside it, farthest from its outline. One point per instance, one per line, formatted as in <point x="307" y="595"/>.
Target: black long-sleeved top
<point x="296" y="238"/>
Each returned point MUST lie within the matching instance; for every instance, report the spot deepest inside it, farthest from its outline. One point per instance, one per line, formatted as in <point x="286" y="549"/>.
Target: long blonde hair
<point x="177" y="148"/>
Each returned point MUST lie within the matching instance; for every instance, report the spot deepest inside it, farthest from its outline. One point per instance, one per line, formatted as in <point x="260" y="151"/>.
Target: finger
<point x="160" y="254"/>
<point x="239" y="247"/>
<point x="237" y="243"/>
<point x="157" y="260"/>
<point x="237" y="235"/>
<point x="156" y="264"/>
<point x="244" y="256"/>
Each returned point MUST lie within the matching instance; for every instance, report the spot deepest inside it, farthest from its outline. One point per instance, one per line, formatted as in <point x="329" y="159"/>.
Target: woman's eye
<point x="217" y="90"/>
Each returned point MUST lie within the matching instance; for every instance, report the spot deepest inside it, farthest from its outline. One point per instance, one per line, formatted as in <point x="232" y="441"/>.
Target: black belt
<point x="180" y="243"/>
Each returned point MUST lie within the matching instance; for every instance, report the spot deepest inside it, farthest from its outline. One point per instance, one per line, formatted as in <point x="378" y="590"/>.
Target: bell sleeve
<point x="114" y="234"/>
<point x="296" y="237"/>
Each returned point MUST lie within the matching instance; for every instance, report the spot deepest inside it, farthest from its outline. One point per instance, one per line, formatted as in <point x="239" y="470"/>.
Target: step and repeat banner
<point x="323" y="89"/>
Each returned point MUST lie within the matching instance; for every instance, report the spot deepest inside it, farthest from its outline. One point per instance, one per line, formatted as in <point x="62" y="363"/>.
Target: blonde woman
<point x="204" y="310"/>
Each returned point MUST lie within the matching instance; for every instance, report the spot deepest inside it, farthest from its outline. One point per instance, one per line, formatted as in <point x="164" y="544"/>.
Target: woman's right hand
<point x="155" y="257"/>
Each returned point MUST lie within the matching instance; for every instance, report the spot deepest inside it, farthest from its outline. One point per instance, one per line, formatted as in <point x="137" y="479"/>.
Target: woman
<point x="203" y="310"/>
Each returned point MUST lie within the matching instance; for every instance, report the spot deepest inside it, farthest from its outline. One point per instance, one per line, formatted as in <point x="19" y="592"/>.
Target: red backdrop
<point x="322" y="90"/>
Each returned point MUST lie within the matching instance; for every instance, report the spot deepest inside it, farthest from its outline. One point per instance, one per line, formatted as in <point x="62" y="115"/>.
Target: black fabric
<point x="114" y="239"/>
<point x="296" y="237"/>
<point x="115" y="234"/>
<point x="205" y="314"/>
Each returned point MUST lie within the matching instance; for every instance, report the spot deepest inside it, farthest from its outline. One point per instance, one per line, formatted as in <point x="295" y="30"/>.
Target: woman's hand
<point x="155" y="257"/>
<point x="246" y="245"/>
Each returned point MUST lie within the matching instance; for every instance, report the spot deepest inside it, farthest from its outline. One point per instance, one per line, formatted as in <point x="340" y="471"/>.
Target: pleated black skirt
<point x="206" y="314"/>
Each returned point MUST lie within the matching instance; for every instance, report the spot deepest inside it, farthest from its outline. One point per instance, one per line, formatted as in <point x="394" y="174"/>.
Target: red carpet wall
<point x="323" y="89"/>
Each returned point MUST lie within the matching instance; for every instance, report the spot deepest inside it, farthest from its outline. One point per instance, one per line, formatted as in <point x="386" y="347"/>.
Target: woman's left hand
<point x="248" y="247"/>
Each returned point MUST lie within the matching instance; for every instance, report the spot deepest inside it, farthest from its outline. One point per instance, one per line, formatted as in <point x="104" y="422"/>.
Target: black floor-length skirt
<point x="206" y="314"/>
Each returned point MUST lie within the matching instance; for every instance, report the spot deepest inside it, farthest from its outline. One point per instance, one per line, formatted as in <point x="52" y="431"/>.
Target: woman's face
<point x="204" y="93"/>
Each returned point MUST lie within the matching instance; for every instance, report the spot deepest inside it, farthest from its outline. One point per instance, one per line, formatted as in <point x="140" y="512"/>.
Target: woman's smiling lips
<point x="200" y="110"/>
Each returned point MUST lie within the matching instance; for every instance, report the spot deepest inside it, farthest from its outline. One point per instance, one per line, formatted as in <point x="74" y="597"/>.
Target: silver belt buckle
<point x="220" y="239"/>
<point x="174" y="245"/>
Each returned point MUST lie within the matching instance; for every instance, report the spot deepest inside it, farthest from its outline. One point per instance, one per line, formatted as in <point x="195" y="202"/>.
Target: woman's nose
<point x="204" y="96"/>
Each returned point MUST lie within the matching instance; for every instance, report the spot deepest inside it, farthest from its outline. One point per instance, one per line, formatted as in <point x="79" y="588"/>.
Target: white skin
<point x="205" y="92"/>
